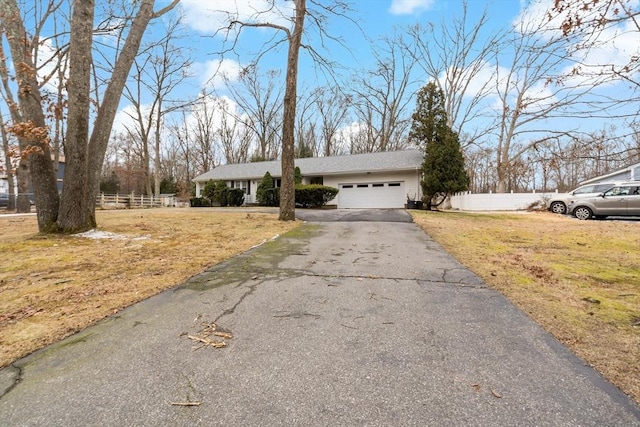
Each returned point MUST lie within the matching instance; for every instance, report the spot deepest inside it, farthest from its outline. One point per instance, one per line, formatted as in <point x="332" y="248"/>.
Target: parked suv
<point x="559" y="202"/>
<point x="621" y="200"/>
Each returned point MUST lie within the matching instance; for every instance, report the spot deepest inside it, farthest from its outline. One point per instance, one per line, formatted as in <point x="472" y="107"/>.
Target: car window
<point x="619" y="191"/>
<point x="602" y="187"/>
<point x="585" y="189"/>
<point x="635" y="191"/>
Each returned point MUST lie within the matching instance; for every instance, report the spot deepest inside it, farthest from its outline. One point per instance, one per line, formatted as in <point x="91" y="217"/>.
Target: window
<point x="347" y="186"/>
<point x="377" y="185"/>
<point x="241" y="184"/>
<point x="601" y="187"/>
<point x="363" y="185"/>
<point x="586" y="189"/>
<point x="618" y="191"/>
<point x="394" y="184"/>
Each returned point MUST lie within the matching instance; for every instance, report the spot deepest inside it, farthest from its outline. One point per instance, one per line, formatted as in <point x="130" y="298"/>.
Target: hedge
<point x="314" y="195"/>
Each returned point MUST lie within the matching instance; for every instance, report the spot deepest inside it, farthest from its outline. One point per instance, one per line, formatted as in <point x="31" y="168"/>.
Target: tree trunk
<point x="287" y="190"/>
<point x="109" y="106"/>
<point x="73" y="215"/>
<point x="32" y="131"/>
<point x="23" y="201"/>
<point x="11" y="203"/>
<point x="156" y="159"/>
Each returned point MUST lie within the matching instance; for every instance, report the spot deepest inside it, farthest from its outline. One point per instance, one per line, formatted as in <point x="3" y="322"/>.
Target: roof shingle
<point x="337" y="165"/>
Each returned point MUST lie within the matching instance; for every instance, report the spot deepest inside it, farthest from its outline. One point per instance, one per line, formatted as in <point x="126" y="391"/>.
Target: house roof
<point x="630" y="173"/>
<point x="321" y="166"/>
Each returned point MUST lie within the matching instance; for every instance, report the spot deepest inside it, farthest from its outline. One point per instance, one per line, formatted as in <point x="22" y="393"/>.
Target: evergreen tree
<point x="264" y="191"/>
<point x="443" y="170"/>
<point x="220" y="193"/>
<point x="209" y="190"/>
<point x="297" y="176"/>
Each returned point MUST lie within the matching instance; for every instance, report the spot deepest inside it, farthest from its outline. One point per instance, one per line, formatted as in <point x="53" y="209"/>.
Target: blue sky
<point x="375" y="19"/>
<point x="367" y="23"/>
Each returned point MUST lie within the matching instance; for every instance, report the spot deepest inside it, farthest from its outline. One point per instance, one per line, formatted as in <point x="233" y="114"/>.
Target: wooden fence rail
<point x="133" y="201"/>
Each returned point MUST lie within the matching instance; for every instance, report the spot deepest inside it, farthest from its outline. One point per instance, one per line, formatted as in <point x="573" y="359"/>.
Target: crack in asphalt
<point x="231" y="310"/>
<point x="17" y="378"/>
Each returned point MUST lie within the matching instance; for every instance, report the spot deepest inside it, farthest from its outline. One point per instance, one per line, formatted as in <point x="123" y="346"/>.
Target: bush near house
<point x="267" y="194"/>
<point x="314" y="195"/>
<point x="217" y="192"/>
<point x="209" y="190"/>
<point x="235" y="196"/>
<point x="199" y="202"/>
<point x="220" y="193"/>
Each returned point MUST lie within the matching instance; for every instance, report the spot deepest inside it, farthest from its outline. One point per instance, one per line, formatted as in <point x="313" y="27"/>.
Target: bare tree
<point x="108" y="107"/>
<point x="29" y="123"/>
<point x="8" y="154"/>
<point x="457" y="54"/>
<point x="380" y="97"/>
<point x="73" y="212"/>
<point x="235" y="137"/>
<point x="259" y="108"/>
<point x="332" y="107"/>
<point x="204" y="133"/>
<point x="293" y="39"/>
<point x="182" y="141"/>
<point x="305" y="129"/>
<point x="158" y="70"/>
<point x="32" y="127"/>
<point x="598" y="23"/>
<point x="528" y="96"/>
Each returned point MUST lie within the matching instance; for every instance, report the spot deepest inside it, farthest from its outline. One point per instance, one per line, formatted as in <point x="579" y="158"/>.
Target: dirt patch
<point x="580" y="280"/>
<point x="53" y="286"/>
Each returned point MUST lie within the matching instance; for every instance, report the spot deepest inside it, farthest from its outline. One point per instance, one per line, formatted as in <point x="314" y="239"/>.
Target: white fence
<point x="497" y="201"/>
<point x="133" y="201"/>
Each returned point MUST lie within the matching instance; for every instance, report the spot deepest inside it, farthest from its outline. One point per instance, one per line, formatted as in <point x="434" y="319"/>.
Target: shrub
<point x="297" y="176"/>
<point x="267" y="194"/>
<point x="314" y="195"/>
<point x="209" y="190"/>
<point x="273" y="196"/>
<point x="199" y="202"/>
<point x="235" y="196"/>
<point x="221" y="193"/>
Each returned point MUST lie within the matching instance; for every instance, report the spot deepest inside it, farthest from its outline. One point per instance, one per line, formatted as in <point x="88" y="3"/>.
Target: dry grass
<point x="53" y="286"/>
<point x="580" y="280"/>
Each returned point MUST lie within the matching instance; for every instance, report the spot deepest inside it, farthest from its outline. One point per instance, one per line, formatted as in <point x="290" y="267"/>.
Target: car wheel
<point x="582" y="212"/>
<point x="559" y="208"/>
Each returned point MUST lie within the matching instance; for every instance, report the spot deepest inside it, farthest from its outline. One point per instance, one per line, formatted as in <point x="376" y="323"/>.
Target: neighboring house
<point x="630" y="173"/>
<point x="4" y="180"/>
<point x="372" y="180"/>
<point x="4" y="184"/>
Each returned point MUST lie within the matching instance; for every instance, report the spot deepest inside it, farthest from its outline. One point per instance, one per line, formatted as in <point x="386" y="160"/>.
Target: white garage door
<point x="371" y="195"/>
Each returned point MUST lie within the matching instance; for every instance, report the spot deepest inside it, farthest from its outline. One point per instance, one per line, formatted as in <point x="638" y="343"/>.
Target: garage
<point x="371" y="195"/>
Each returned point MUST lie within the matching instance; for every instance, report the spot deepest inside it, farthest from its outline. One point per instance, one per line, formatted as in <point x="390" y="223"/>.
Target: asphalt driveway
<point x="337" y="323"/>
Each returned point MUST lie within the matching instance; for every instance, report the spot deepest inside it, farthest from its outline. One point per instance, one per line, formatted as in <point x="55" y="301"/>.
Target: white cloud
<point x="534" y="18"/>
<point x="124" y="122"/>
<point x="409" y="7"/>
<point x="47" y="66"/>
<point x="614" y="46"/>
<point x="481" y="79"/>
<point x="212" y="17"/>
<point x="212" y="74"/>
